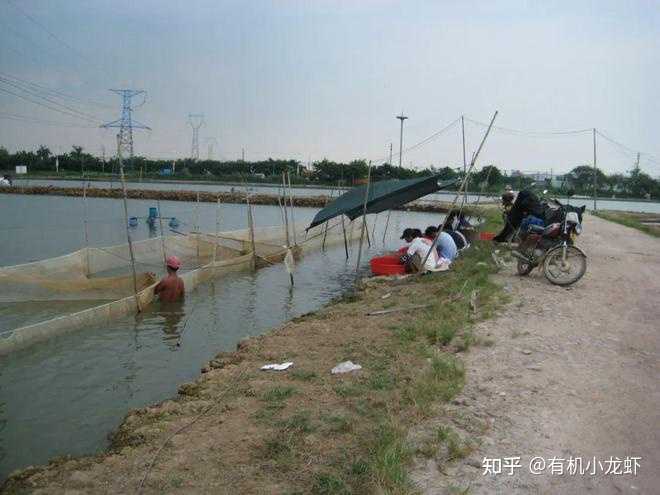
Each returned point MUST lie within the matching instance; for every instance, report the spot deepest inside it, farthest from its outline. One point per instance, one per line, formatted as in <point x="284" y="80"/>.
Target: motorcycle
<point x="552" y="247"/>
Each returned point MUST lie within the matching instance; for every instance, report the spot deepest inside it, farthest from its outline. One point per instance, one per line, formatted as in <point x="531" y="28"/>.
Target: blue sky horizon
<point x="326" y="78"/>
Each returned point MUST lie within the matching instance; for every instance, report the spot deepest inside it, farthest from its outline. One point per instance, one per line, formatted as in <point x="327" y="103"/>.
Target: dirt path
<point x="573" y="372"/>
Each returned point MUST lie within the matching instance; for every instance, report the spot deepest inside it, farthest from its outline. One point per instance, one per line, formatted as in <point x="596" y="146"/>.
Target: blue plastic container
<point x="174" y="223"/>
<point x="153" y="212"/>
<point x="132" y="222"/>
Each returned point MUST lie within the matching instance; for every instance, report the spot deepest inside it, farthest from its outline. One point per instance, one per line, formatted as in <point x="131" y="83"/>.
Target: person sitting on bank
<point x="171" y="287"/>
<point x="417" y="250"/>
<point x="445" y="245"/>
<point x="459" y="239"/>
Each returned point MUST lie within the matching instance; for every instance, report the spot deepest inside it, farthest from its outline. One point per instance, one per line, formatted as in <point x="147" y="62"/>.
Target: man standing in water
<point x="171" y="288"/>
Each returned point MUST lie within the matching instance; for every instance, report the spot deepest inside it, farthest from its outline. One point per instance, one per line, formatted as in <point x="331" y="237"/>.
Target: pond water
<point x="65" y="395"/>
<point x="603" y="203"/>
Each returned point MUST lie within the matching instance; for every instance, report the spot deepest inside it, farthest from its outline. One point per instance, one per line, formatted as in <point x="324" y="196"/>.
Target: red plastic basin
<point x="487" y="236"/>
<point x="387" y="265"/>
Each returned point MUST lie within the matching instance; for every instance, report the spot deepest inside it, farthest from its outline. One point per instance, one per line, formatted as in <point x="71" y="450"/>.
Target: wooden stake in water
<point x="85" y="224"/>
<point x="364" y="215"/>
<point x="162" y="233"/>
<point x="217" y="230"/>
<point x="251" y="228"/>
<point x="197" y="223"/>
<point x="128" y="231"/>
<point x="293" y="220"/>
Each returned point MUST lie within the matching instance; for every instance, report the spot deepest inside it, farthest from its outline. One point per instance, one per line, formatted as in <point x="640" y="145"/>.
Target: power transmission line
<point x="55" y="93"/>
<point x="70" y="114"/>
<point x="424" y="141"/>
<point x="49" y="32"/>
<point x="33" y="120"/>
<point x="520" y="132"/>
<point x="40" y="94"/>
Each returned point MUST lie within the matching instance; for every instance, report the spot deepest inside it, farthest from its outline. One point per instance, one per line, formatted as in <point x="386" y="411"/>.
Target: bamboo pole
<point x="364" y="215"/>
<point x="128" y="231"/>
<point x="461" y="188"/>
<point x="251" y="227"/>
<point x="162" y="233"/>
<point x="343" y="228"/>
<point x="387" y="223"/>
<point x="217" y="231"/>
<point x="284" y="209"/>
<point x="325" y="230"/>
<point x="595" y="173"/>
<point x="293" y="219"/>
<point x="197" y="224"/>
<point x="86" y="227"/>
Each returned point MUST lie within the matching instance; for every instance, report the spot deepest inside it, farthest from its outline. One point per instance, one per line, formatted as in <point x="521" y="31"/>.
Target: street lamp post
<point x="401" y="118"/>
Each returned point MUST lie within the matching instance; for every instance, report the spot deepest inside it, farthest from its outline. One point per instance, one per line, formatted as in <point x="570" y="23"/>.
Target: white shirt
<point x="421" y="246"/>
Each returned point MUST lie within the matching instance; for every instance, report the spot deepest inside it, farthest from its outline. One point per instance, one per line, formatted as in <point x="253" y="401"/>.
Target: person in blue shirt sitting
<point x="446" y="246"/>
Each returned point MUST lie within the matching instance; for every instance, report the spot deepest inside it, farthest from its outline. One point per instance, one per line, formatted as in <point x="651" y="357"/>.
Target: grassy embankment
<point x="634" y="220"/>
<point x="305" y="430"/>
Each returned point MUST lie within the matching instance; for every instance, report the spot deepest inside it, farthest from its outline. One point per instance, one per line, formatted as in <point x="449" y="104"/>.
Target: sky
<point x="325" y="79"/>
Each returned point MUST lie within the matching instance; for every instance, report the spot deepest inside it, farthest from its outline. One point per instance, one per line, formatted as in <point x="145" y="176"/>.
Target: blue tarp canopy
<point x="383" y="195"/>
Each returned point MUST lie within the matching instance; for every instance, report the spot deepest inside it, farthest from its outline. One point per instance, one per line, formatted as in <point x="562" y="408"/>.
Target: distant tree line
<point x="634" y="184"/>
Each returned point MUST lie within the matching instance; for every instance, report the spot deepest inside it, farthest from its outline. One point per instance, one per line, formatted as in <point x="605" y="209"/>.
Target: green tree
<point x="583" y="178"/>
<point x="489" y="174"/>
<point x="641" y="184"/>
<point x="43" y="153"/>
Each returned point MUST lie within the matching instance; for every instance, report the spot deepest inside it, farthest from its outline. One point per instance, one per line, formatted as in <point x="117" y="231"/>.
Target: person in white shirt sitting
<point x="417" y="251"/>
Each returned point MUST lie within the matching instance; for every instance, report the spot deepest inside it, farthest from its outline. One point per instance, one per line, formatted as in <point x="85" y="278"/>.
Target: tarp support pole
<point x="364" y="217"/>
<point x="325" y="229"/>
<point x="343" y="228"/>
<point x="387" y="223"/>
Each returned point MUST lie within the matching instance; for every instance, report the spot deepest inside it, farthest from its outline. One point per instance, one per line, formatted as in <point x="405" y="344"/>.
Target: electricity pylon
<point x="196" y="120"/>
<point x="126" y="124"/>
<point x="211" y="142"/>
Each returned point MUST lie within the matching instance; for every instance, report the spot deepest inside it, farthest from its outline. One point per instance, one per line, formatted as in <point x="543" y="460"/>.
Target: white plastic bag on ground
<point x="345" y="367"/>
<point x="276" y="366"/>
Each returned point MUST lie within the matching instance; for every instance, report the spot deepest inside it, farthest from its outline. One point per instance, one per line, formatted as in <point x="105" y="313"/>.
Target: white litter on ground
<point x="276" y="366"/>
<point x="345" y="367"/>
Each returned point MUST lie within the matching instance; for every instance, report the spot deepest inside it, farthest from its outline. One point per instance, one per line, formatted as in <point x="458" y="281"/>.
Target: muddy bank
<point x="210" y="197"/>
<point x="237" y="429"/>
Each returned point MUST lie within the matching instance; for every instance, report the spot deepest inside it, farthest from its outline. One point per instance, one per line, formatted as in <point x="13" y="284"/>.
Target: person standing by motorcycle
<point x="508" y="198"/>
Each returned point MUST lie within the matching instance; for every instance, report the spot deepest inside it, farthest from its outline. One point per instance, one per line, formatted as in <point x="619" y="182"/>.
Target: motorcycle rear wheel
<point x="560" y="272"/>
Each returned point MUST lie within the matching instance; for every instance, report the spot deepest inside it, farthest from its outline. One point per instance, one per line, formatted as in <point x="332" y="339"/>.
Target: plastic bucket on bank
<point x="487" y="236"/>
<point x="387" y="265"/>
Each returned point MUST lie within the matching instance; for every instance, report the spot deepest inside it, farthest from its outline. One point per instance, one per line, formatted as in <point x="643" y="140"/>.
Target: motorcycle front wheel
<point x="560" y="271"/>
<point x="524" y="267"/>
